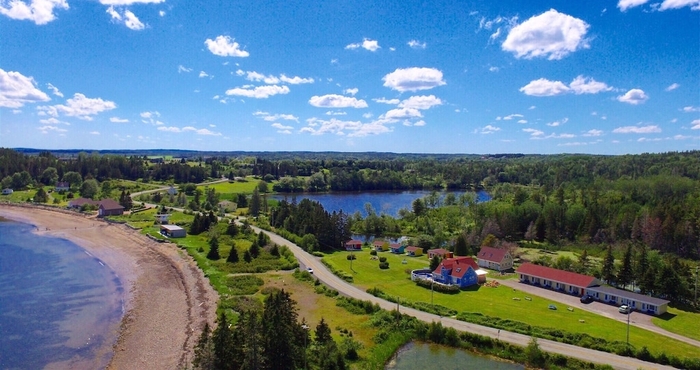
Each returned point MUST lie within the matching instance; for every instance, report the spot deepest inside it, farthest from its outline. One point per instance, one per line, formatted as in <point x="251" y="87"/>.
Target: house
<point x="494" y="258"/>
<point x="80" y="202"/>
<point x="227" y="206"/>
<point x="638" y="302"/>
<point x="380" y="246"/>
<point x="353" y="245"/>
<point x="172" y="190"/>
<point x="62" y="186"/>
<point x="460" y="271"/>
<point x="162" y="218"/>
<point x="173" y="231"/>
<point x="440" y="252"/>
<point x="414" y="251"/>
<point x="7" y="191"/>
<point x="109" y="207"/>
<point x="560" y="280"/>
<point x="397" y="248"/>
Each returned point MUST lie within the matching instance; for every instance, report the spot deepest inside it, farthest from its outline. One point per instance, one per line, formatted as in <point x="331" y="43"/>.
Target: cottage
<point x="109" y="207"/>
<point x="380" y="245"/>
<point x="460" y="271"/>
<point x="7" y="191"/>
<point x="560" y="280"/>
<point x="638" y="302"/>
<point x="397" y="248"/>
<point x="440" y="252"/>
<point x="414" y="251"/>
<point x="173" y="231"/>
<point x="353" y="245"/>
<point x="62" y="186"/>
<point x="495" y="259"/>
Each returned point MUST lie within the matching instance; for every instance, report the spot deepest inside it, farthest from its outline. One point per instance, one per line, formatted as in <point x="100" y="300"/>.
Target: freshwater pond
<point x="382" y="202"/>
<point x="422" y="356"/>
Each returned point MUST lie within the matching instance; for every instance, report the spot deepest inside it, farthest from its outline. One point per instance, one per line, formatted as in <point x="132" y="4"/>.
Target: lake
<point x="382" y="202"/>
<point x="59" y="306"/>
<point x="422" y="356"/>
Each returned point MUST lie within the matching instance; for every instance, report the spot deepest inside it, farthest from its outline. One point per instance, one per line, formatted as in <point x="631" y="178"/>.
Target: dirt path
<point x="168" y="299"/>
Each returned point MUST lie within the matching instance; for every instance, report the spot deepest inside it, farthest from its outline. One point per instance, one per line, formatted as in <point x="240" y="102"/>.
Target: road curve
<point x="326" y="277"/>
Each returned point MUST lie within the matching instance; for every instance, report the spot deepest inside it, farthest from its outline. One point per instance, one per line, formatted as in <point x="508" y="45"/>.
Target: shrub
<point x="382" y="259"/>
<point x="383" y="265"/>
<point x="450" y="289"/>
<point x="373" y="252"/>
<point x="351" y="257"/>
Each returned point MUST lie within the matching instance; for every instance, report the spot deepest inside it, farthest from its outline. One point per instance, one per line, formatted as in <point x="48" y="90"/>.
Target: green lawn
<point x="234" y="187"/>
<point x="680" y="322"/>
<point x="498" y="302"/>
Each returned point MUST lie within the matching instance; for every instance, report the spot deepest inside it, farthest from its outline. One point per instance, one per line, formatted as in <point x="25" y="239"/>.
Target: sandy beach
<point x="167" y="301"/>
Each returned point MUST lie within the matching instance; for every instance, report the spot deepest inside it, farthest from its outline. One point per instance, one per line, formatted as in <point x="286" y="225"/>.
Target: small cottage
<point x="414" y="251"/>
<point x="380" y="246"/>
<point x="397" y="248"/>
<point x="353" y="245"/>
<point x="440" y="252"/>
<point x="62" y="186"/>
<point x="173" y="231"/>
<point x="494" y="258"/>
<point x="109" y="207"/>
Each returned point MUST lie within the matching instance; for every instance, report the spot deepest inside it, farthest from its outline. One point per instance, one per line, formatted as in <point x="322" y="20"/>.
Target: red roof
<point x="394" y="245"/>
<point x="492" y="254"/>
<point x="439" y="251"/>
<point x="354" y="242"/>
<point x="412" y="249"/>
<point x="458" y="266"/>
<point x="561" y="276"/>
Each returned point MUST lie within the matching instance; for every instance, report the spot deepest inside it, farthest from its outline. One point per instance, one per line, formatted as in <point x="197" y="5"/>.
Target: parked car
<point x="625" y="309"/>
<point x="586" y="299"/>
<point x="310" y="270"/>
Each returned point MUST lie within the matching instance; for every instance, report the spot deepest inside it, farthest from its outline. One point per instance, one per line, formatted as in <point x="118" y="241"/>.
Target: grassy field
<point x="234" y="187"/>
<point x="680" y="322"/>
<point x="498" y="302"/>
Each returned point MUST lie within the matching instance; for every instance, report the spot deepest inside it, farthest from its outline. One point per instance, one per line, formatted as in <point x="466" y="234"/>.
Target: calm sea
<point x="58" y="304"/>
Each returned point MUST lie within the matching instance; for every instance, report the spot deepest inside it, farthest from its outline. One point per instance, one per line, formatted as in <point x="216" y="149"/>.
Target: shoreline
<point x="167" y="299"/>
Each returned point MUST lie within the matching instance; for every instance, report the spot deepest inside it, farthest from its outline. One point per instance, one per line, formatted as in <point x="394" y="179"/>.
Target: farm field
<point x="496" y="302"/>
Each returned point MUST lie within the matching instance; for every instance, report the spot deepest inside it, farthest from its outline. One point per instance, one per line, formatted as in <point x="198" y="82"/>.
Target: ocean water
<point x="59" y="305"/>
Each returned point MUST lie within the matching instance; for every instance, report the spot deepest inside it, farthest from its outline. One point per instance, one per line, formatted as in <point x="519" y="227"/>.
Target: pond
<point x="382" y="202"/>
<point x="422" y="356"/>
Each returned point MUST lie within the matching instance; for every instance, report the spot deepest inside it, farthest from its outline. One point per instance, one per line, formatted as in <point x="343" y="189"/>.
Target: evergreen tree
<point x="323" y="333"/>
<point x="225" y="349"/>
<point x="434" y="262"/>
<point x="279" y="321"/>
<point x="195" y="227"/>
<point x="249" y="338"/>
<point x="642" y="264"/>
<point x="262" y="239"/>
<point x="461" y="248"/>
<point x="41" y="196"/>
<point x="625" y="275"/>
<point x="204" y="355"/>
<point x="254" y="207"/>
<point x="233" y="255"/>
<point x="582" y="266"/>
<point x="213" y="249"/>
<point x="275" y="250"/>
<point x="608" y="270"/>
<point x="254" y="249"/>
<point x="247" y="257"/>
<point x="232" y="229"/>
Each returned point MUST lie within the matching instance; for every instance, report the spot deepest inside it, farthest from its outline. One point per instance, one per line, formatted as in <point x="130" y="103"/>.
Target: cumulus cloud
<point x="634" y="97"/>
<point x="413" y="79"/>
<point x="558" y="123"/>
<point x="270" y="79"/>
<point x="534" y="133"/>
<point x="551" y="34"/>
<point x="511" y="116"/>
<point x="352" y="91"/>
<point x="649" y="129"/>
<point x="402" y="114"/>
<point x="151" y="118"/>
<point x="129" y="19"/>
<point x="181" y="69"/>
<point x="690" y="109"/>
<point x="580" y="85"/>
<point x="672" y="87"/>
<point x="296" y="80"/>
<point x="316" y="126"/>
<point x="282" y="129"/>
<point x="421" y="102"/>
<point x="47" y="128"/>
<point x="225" y="46"/>
<point x="489" y="129"/>
<point x="17" y="90"/>
<point x="696" y="124"/>
<point x="677" y="4"/>
<point x="337" y="101"/>
<point x="415" y="44"/>
<point x="130" y="2"/>
<point x="118" y="120"/>
<point x="593" y="133"/>
<point x="53" y="121"/>
<point x="38" y="11"/>
<point x="55" y="90"/>
<point x="198" y="131"/>
<point x="79" y="106"/>
<point x="275" y="117"/>
<point x="367" y="44"/>
<point x="258" y="92"/>
<point x="203" y="74"/>
<point x="387" y="101"/>
<point x="623" y="5"/>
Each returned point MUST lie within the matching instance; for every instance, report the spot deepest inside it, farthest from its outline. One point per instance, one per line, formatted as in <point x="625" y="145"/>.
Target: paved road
<point x="325" y="276"/>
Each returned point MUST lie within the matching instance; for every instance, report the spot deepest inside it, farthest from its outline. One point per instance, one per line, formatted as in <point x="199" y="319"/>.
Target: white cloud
<point x="421" y="102"/>
<point x="533" y="132"/>
<point x="79" y="106"/>
<point x="280" y="126"/>
<point x="161" y="13"/>
<point x="623" y="5"/>
<point x="672" y="87"/>
<point x="413" y="79"/>
<point x="118" y="120"/>
<point x="415" y="44"/>
<point x="17" y="90"/>
<point x="493" y="69"/>
<point x="38" y="11"/>
<point x="270" y="79"/>
<point x="203" y="74"/>
<point x="634" y="97"/>
<point x="696" y="124"/>
<point x="200" y="131"/>
<point x="551" y="34"/>
<point x="53" y="121"/>
<point x="649" y="129"/>
<point x="690" y="109"/>
<point x="276" y="117"/>
<point x="387" y="101"/>
<point x="511" y="116"/>
<point x="402" y="113"/>
<point x="296" y="80"/>
<point x="593" y="133"/>
<point x="522" y="121"/>
<point x="130" y="2"/>
<point x="352" y="91"/>
<point x="489" y="129"/>
<point x="258" y="92"/>
<point x="55" y="90"/>
<point x="128" y="18"/>
<point x="368" y="44"/>
<point x="532" y="107"/>
<point x="47" y="128"/>
<point x="94" y="132"/>
<point x="318" y="126"/>
<point x="150" y="114"/>
<point x="558" y="123"/>
<point x="544" y="87"/>
<point x="586" y="85"/>
<point x="337" y="101"/>
<point x="182" y="68"/>
<point x="677" y="4"/>
<point x="419" y="123"/>
<point x="225" y="46"/>
<point x="334" y="113"/>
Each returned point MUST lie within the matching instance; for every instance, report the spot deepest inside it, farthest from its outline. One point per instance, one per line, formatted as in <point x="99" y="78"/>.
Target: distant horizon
<point x="611" y="77"/>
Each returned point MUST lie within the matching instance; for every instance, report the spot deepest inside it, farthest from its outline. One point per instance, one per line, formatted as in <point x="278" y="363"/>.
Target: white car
<point x="625" y="309"/>
<point x="310" y="270"/>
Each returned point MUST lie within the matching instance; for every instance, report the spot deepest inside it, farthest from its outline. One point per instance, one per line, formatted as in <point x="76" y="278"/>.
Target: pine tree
<point x="232" y="229"/>
<point x="582" y="266"/>
<point x="249" y="338"/>
<point x="275" y="250"/>
<point x="642" y="265"/>
<point x="434" y="262"/>
<point x="625" y="275"/>
<point x="195" y="227"/>
<point x="247" y="257"/>
<point x="254" y="250"/>
<point x="225" y="349"/>
<point x="280" y="326"/>
<point x="254" y="207"/>
<point x="204" y="355"/>
<point x="461" y="248"/>
<point x="323" y="333"/>
<point x="233" y="255"/>
<point x="608" y="270"/>
<point x="213" y="249"/>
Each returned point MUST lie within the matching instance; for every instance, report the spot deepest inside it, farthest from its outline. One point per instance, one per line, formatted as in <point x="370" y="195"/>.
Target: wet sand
<point x="167" y="301"/>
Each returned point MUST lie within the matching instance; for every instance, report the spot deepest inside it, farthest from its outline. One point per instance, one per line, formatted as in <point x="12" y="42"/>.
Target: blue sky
<point x="604" y="77"/>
